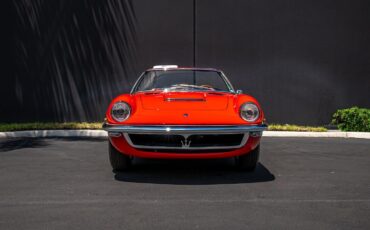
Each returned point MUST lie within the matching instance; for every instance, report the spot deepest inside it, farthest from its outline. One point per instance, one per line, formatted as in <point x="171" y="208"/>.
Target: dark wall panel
<point x="301" y="59"/>
<point x="65" y="60"/>
<point x="165" y="32"/>
<point x="70" y="58"/>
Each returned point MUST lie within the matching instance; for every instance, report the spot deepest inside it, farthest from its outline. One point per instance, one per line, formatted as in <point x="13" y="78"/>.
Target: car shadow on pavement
<point x="192" y="172"/>
<point x="20" y="143"/>
<point x="10" y="144"/>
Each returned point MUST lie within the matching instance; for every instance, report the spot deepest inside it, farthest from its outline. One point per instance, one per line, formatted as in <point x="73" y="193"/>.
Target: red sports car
<point x="183" y="113"/>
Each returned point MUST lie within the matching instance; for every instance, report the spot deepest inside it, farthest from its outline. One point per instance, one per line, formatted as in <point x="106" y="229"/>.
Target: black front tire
<point x="119" y="161"/>
<point x="248" y="162"/>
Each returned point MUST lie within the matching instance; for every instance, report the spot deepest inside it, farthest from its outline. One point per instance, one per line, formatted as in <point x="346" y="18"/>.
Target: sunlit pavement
<point x="301" y="183"/>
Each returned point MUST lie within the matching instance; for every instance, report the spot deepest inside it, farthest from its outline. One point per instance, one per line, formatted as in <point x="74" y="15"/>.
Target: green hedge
<point x="352" y="119"/>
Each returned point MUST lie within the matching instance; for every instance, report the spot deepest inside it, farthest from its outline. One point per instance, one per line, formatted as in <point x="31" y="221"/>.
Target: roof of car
<point x="174" y="67"/>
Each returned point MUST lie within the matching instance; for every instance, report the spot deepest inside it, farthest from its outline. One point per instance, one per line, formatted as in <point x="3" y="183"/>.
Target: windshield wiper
<point x="184" y="86"/>
<point x="151" y="90"/>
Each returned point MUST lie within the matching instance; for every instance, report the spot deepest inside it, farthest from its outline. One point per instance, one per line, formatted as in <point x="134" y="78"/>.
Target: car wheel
<point x="248" y="162"/>
<point x="119" y="161"/>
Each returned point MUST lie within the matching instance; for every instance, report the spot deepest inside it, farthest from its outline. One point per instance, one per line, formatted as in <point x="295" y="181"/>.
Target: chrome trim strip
<point x="114" y="134"/>
<point x="133" y="89"/>
<point x="193" y="129"/>
<point x="242" y="143"/>
<point x="228" y="83"/>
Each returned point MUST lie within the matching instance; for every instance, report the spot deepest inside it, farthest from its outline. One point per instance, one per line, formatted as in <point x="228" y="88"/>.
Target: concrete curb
<point x="364" y="135"/>
<point x="55" y="133"/>
<point x="102" y="133"/>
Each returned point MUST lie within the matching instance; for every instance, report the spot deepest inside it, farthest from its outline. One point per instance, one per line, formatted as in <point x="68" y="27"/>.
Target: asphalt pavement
<point x="300" y="183"/>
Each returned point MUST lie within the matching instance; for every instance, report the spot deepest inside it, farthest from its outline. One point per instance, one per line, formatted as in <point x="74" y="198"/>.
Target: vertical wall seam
<point x="194" y="32"/>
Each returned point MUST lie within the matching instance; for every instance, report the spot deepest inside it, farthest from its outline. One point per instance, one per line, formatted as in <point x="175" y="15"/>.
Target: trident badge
<point x="185" y="144"/>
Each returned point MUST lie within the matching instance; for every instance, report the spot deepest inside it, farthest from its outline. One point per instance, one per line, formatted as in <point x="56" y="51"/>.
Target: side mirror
<point x="239" y="91"/>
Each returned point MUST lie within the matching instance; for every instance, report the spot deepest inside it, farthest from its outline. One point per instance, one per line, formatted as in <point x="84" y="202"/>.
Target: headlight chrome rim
<point x="125" y="115"/>
<point x="252" y="107"/>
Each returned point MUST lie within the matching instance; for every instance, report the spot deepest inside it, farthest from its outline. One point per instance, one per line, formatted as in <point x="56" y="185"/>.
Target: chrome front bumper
<point x="177" y="129"/>
<point x="186" y="132"/>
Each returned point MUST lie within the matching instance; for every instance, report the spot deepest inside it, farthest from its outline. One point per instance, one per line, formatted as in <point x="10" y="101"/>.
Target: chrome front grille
<point x="187" y="141"/>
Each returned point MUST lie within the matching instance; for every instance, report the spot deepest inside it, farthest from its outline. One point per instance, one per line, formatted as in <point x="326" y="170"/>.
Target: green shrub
<point x="352" y="119"/>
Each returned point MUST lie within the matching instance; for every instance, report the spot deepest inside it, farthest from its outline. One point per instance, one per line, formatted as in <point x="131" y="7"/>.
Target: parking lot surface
<point x="300" y="183"/>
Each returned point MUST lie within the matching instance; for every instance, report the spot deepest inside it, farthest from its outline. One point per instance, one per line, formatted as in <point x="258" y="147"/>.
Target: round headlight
<point x="120" y="111"/>
<point x="249" y="112"/>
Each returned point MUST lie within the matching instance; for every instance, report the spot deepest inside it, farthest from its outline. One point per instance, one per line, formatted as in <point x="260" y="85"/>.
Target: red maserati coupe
<point x="174" y="112"/>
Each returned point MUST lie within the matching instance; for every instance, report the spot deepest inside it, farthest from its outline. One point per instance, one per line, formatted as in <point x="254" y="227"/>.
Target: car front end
<point x="183" y="113"/>
<point x="194" y="141"/>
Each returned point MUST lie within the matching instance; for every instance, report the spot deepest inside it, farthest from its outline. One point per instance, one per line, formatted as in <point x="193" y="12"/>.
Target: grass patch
<point x="297" y="128"/>
<point x="6" y="127"/>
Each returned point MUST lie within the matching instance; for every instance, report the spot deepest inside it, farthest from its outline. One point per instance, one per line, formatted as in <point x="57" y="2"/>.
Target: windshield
<point x="182" y="80"/>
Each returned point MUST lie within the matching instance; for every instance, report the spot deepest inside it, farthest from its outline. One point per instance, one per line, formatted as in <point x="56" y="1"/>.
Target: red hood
<point x="184" y="108"/>
<point x="173" y="101"/>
